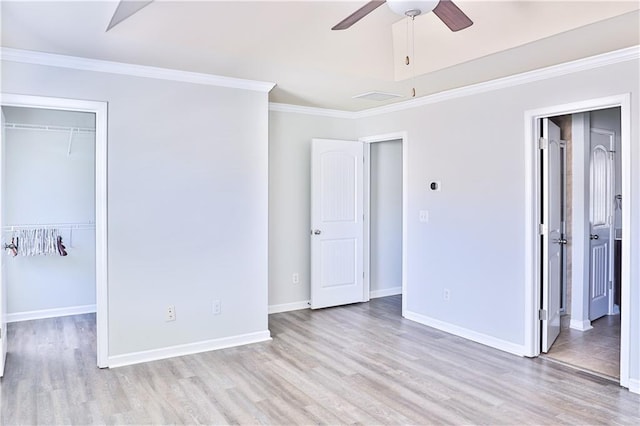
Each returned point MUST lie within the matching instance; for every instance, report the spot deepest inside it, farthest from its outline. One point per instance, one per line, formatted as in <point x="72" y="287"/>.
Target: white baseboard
<point x="580" y="325"/>
<point x="392" y="291"/>
<point x="188" y="349"/>
<point x="50" y="313"/>
<point x="634" y="385"/>
<point x="286" y="307"/>
<point x="465" y="333"/>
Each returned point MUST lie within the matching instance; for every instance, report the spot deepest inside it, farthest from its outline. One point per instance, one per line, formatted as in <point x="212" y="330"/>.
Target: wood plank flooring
<point x="358" y="364"/>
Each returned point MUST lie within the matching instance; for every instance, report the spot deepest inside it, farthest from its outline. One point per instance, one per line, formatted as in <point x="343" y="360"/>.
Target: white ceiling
<point x="290" y="43"/>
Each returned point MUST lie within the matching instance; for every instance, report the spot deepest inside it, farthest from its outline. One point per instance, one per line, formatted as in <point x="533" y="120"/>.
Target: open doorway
<point x="385" y="215"/>
<point x="385" y="218"/>
<point x="53" y="197"/>
<point x="358" y="216"/>
<point x="591" y="222"/>
<point x="589" y="334"/>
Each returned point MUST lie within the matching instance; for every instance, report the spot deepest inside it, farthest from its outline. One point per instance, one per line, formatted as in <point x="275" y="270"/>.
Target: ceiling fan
<point x="446" y="10"/>
<point x="125" y="9"/>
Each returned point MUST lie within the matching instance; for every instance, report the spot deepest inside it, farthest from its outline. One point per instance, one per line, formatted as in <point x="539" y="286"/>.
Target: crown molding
<point x="597" y="61"/>
<point x="609" y="58"/>
<point x="322" y="112"/>
<point x="97" y="65"/>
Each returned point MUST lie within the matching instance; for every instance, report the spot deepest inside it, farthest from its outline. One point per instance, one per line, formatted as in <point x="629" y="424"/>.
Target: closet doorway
<point x="53" y="218"/>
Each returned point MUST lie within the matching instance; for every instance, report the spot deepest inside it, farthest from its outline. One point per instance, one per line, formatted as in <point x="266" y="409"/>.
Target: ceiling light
<point x="412" y="8"/>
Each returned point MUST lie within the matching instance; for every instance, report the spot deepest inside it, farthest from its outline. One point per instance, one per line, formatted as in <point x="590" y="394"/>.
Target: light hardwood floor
<point x="358" y="364"/>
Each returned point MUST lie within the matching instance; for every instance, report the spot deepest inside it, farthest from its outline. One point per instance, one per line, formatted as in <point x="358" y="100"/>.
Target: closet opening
<point x="53" y="231"/>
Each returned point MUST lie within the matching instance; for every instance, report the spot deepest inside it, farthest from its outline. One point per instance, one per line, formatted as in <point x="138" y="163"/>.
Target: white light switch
<point x="424" y="215"/>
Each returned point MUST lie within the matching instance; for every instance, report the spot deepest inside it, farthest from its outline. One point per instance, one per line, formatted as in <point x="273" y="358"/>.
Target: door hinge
<point x="542" y="229"/>
<point x="543" y="315"/>
<point x="543" y="143"/>
<point x="610" y="285"/>
<point x="563" y="144"/>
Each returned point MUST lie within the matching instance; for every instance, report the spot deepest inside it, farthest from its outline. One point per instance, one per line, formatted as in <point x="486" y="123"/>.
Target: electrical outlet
<point x="424" y="215"/>
<point x="295" y="278"/>
<point x="171" y="313"/>
<point x="216" y="307"/>
<point x="446" y="294"/>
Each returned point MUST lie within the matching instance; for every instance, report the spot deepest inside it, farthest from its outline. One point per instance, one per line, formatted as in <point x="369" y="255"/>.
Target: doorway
<point x="341" y="257"/>
<point x="385" y="215"/>
<point x="85" y="237"/>
<point x="587" y="262"/>
<point x="385" y="218"/>
<point x="589" y="326"/>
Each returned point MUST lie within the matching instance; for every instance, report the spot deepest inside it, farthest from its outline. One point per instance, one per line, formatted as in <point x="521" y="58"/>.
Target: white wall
<point x="45" y="185"/>
<point x="386" y="218"/>
<point x="187" y="203"/>
<point x="474" y="242"/>
<point x="290" y="137"/>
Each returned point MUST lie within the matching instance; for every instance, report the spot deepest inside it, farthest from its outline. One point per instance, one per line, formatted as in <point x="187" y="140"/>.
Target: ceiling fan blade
<point x="358" y="14"/>
<point x="452" y="16"/>
<point x="125" y="9"/>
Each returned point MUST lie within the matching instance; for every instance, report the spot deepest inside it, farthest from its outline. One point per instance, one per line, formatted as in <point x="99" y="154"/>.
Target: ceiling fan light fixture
<point x="412" y="8"/>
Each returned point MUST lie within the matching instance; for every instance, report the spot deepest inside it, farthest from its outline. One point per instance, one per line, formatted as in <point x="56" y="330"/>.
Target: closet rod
<point x="89" y="225"/>
<point x="21" y="126"/>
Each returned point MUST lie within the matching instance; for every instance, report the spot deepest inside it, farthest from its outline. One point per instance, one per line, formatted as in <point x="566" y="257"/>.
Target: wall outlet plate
<point x="171" y="313"/>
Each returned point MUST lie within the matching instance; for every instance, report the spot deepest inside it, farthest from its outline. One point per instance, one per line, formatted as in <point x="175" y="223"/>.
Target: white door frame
<point x="368" y="140"/>
<point x="532" y="220"/>
<point x="100" y="110"/>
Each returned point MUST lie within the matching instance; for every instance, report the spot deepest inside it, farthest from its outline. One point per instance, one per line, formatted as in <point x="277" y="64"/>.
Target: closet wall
<point x="50" y="180"/>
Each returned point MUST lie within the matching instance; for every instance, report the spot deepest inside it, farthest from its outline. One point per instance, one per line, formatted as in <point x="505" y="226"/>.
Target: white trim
<point x="286" y="307"/>
<point x="634" y="385"/>
<point x="597" y="61"/>
<point x="465" y="333"/>
<point x="625" y="291"/>
<point x="102" y="283"/>
<point x="393" y="291"/>
<point x="86" y="64"/>
<point x="320" y="112"/>
<point x="50" y="313"/>
<point x="188" y="349"/>
<point x="580" y="325"/>
<point x="367" y="140"/>
<point x="532" y="219"/>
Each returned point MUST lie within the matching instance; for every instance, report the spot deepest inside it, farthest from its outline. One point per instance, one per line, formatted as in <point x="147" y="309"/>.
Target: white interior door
<point x="601" y="221"/>
<point x="552" y="238"/>
<point x="337" y="198"/>
<point x="3" y="283"/>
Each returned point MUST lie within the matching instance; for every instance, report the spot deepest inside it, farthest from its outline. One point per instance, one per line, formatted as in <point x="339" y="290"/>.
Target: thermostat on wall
<point x="434" y="185"/>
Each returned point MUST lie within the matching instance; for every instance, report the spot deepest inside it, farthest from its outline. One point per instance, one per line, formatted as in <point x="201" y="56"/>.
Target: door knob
<point x="561" y="241"/>
<point x="317" y="232"/>
<point x="594" y="237"/>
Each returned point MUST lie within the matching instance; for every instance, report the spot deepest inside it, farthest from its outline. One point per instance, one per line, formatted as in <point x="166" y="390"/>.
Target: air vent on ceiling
<point x="377" y="96"/>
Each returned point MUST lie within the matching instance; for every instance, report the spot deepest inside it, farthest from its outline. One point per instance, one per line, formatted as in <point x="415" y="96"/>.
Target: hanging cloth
<point x="38" y="242"/>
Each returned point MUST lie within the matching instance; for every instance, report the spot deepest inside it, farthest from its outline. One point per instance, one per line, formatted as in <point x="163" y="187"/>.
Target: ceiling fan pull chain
<point x="413" y="54"/>
<point x="406" y="60"/>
